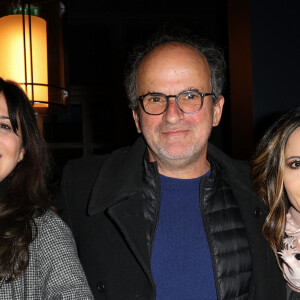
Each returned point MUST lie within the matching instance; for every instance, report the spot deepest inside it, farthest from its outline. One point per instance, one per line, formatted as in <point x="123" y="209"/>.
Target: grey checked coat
<point x="54" y="270"/>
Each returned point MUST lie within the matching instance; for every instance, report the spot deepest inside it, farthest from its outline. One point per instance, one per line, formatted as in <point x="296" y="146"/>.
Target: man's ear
<point x="136" y="118"/>
<point x="217" y="110"/>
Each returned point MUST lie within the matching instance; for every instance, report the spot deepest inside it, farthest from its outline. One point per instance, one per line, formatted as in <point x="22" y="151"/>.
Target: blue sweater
<point x="181" y="261"/>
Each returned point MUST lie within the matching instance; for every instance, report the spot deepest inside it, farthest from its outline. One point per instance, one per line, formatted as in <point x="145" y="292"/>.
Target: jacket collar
<point x="119" y="177"/>
<point x="233" y="171"/>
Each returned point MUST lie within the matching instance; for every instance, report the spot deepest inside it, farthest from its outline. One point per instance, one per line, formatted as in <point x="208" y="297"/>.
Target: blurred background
<point x="260" y="40"/>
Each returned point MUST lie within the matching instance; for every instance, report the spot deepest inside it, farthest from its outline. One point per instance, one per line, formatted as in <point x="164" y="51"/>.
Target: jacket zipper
<point x="201" y="188"/>
<point x="155" y="222"/>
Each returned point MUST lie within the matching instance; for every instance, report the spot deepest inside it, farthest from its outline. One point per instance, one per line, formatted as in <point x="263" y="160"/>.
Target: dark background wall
<point x="259" y="37"/>
<point x="275" y="44"/>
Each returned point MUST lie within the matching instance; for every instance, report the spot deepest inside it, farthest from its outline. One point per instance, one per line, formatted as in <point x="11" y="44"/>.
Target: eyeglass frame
<point x="141" y="100"/>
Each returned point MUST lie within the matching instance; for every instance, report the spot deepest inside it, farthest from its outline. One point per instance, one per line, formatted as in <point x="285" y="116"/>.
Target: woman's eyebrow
<point x="293" y="157"/>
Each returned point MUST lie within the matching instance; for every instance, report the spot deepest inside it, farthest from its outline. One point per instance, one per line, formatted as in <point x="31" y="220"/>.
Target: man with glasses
<point x="171" y="217"/>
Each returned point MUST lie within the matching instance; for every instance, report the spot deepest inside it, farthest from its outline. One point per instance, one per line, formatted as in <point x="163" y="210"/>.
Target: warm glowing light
<point x="12" y="62"/>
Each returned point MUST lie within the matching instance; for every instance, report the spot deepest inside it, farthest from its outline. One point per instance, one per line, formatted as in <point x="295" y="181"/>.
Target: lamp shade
<point x="23" y="55"/>
<point x="31" y="50"/>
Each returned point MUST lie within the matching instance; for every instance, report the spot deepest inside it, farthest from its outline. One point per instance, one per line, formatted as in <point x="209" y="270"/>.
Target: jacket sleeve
<point x="61" y="274"/>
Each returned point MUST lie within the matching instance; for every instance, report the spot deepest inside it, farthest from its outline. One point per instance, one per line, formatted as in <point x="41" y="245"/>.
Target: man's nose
<point x="173" y="113"/>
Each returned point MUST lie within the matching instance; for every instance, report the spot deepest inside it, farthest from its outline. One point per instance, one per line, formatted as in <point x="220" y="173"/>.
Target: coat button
<point x="100" y="287"/>
<point x="257" y="212"/>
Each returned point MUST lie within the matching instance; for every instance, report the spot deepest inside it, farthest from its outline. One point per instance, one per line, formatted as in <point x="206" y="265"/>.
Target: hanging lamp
<point x="31" y="50"/>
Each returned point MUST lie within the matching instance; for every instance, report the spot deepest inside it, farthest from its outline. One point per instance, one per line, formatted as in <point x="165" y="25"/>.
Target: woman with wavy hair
<point x="276" y="179"/>
<point x="38" y="258"/>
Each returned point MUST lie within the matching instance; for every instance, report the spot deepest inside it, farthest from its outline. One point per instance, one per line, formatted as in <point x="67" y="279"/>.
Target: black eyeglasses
<point x="189" y="102"/>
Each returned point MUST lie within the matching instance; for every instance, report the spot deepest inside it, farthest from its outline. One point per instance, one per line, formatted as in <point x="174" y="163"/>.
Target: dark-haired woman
<point x="38" y="258"/>
<point x="276" y="179"/>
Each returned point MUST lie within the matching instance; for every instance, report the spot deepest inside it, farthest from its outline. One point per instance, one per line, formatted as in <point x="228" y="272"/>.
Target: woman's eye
<point x="5" y="127"/>
<point x="295" y="164"/>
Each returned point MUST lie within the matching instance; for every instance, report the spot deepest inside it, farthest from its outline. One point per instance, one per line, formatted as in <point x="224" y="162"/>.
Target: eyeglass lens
<point x="188" y="102"/>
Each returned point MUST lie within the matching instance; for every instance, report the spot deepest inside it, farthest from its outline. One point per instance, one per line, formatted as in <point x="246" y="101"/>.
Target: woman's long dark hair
<point x="26" y="196"/>
<point x="267" y="176"/>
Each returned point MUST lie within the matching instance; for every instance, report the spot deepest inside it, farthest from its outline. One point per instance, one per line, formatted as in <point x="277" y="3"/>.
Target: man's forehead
<point x="174" y="56"/>
<point x="172" y="47"/>
<point x="172" y="68"/>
